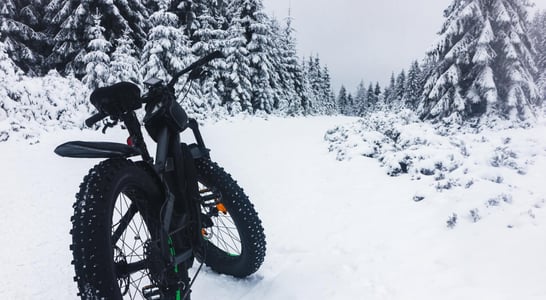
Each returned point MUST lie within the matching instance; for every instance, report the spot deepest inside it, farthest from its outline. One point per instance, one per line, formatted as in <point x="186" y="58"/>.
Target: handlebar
<point x="95" y="118"/>
<point x="199" y="63"/>
<point x="195" y="65"/>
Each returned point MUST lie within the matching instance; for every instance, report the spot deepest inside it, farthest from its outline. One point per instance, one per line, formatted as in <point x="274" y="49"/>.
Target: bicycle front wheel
<point x="115" y="229"/>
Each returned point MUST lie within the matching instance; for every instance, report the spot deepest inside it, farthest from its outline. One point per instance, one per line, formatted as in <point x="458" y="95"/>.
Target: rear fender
<point x="78" y="149"/>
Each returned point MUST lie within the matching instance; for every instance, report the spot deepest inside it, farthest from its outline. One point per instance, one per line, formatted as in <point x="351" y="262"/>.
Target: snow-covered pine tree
<point x="250" y="16"/>
<point x="96" y="60"/>
<point x="371" y="99"/>
<point x="400" y="88"/>
<point x="238" y="87"/>
<point x="361" y="99"/>
<point x="124" y="64"/>
<point x="351" y="101"/>
<point x="483" y="63"/>
<point x="127" y="17"/>
<point x="167" y="48"/>
<point x="343" y="101"/>
<point x="68" y="22"/>
<point x="537" y="32"/>
<point x="22" y="31"/>
<point x="290" y="70"/>
<point x="390" y="91"/>
<point x="207" y="36"/>
<point x="313" y="75"/>
<point x="378" y="92"/>
<point x="283" y="88"/>
<point x="306" y="93"/>
<point x="8" y="71"/>
<point x="327" y="96"/>
<point x="322" y="98"/>
<point x="414" y="86"/>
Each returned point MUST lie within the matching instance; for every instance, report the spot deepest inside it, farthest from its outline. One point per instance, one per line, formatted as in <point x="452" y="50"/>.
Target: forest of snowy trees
<point x="489" y="60"/>
<point x="102" y="42"/>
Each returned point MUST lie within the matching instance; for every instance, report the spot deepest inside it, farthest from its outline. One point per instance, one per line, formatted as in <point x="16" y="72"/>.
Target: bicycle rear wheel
<point x="234" y="237"/>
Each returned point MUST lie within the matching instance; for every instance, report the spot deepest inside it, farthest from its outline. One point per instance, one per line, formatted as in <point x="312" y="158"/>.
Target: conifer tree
<point x="207" y="36"/>
<point x="322" y="99"/>
<point x="414" y="86"/>
<point x="291" y="69"/>
<point x="377" y="91"/>
<point x="314" y="77"/>
<point x="281" y="85"/>
<point x="166" y="50"/>
<point x="237" y="95"/>
<point x="343" y="101"/>
<point x="68" y="22"/>
<point x="249" y="15"/>
<point x="483" y="63"/>
<point x="124" y="65"/>
<point x="328" y="99"/>
<point x="351" y="105"/>
<point x="390" y="91"/>
<point x="537" y="33"/>
<point x="400" y="87"/>
<point x="371" y="98"/>
<point x="7" y="105"/>
<point x="8" y="71"/>
<point x="97" y="60"/>
<point x="22" y="31"/>
<point x="361" y="99"/>
<point x="307" y="94"/>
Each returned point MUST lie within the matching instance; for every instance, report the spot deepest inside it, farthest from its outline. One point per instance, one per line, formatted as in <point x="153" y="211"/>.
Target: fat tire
<point x="245" y="217"/>
<point x="92" y="247"/>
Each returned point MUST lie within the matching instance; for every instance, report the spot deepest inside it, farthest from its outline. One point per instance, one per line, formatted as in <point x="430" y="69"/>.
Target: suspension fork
<point x="164" y="166"/>
<point x="168" y="165"/>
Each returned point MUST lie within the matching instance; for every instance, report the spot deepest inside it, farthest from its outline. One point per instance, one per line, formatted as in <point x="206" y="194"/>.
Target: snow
<point x="335" y="229"/>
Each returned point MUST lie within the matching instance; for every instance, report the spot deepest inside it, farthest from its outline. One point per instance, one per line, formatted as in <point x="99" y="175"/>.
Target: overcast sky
<point x="364" y="39"/>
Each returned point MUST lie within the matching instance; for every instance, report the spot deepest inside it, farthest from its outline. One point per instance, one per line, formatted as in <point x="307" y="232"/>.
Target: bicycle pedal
<point x="151" y="292"/>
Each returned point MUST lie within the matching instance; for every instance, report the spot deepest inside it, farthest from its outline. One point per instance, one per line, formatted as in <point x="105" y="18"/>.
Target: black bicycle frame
<point x="165" y="167"/>
<point x="174" y="161"/>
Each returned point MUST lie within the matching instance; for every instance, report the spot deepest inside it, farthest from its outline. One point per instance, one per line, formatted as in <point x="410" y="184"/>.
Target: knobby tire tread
<point x="91" y="231"/>
<point x="246" y="219"/>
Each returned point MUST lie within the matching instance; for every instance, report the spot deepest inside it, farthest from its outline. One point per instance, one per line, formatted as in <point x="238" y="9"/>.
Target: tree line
<point x="106" y="41"/>
<point x="490" y="60"/>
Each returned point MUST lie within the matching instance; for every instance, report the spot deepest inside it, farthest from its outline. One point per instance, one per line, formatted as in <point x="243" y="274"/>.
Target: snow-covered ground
<point x="335" y="229"/>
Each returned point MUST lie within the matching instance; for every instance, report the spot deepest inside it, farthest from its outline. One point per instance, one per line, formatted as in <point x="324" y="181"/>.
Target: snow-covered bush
<point x="481" y="163"/>
<point x="400" y="142"/>
<point x="29" y="106"/>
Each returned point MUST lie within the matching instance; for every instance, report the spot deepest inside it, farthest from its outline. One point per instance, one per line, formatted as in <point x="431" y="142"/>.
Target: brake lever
<point x="108" y="125"/>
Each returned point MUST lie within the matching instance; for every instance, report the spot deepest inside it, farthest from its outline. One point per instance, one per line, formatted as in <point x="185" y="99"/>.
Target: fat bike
<point x="141" y="223"/>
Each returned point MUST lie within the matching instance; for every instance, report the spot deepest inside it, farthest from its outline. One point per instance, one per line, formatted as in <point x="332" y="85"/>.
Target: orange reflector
<point x="221" y="208"/>
<point x="204" y="232"/>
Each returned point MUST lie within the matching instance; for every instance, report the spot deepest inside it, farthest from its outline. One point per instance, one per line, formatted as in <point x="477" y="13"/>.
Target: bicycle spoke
<point x="124" y="223"/>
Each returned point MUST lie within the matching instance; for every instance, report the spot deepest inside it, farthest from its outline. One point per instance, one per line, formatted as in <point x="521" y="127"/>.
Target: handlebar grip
<point x="200" y="62"/>
<point x="95" y="118"/>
